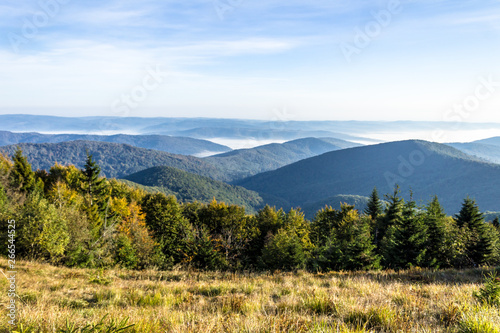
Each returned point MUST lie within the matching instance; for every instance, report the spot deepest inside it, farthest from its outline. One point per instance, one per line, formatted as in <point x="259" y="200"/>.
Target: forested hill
<point x="188" y="187"/>
<point x="484" y="151"/>
<point x="426" y="168"/>
<point x="243" y="163"/>
<point x="170" y="144"/>
<point x="116" y="160"/>
<point x="490" y="141"/>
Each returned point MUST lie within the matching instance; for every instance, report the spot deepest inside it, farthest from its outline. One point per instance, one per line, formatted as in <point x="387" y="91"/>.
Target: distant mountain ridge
<point x="426" y="168"/>
<point x="174" y="145"/>
<point x="243" y="163"/>
<point x="115" y="159"/>
<point x="484" y="151"/>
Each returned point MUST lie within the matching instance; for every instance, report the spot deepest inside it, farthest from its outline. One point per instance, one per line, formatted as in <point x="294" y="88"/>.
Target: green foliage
<point x="163" y="217"/>
<point x="103" y="325"/>
<point x="115" y="160"/>
<point x="490" y="291"/>
<point x="442" y="237"/>
<point x="284" y="251"/>
<point x="480" y="247"/>
<point x="343" y="240"/>
<point x="205" y="251"/>
<point x="125" y="252"/>
<point x="188" y="187"/>
<point x="374" y="206"/>
<point x="21" y="175"/>
<point x="404" y="243"/>
<point x="43" y="231"/>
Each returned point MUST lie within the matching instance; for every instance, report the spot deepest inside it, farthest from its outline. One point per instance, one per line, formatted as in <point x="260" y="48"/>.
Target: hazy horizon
<point x="344" y="60"/>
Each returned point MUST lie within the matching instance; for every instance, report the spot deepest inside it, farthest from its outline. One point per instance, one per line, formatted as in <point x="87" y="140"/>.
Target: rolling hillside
<point x="174" y="145"/>
<point x="435" y="169"/>
<point x="484" y="151"/>
<point x="243" y="163"/>
<point x="188" y="187"/>
<point x="490" y="141"/>
<point x="116" y="160"/>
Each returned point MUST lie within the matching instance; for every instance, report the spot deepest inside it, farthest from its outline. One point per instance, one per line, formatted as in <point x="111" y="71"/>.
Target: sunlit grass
<point x="51" y="298"/>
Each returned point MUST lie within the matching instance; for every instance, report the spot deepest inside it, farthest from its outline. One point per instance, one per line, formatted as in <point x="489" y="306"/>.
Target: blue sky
<point x="265" y="60"/>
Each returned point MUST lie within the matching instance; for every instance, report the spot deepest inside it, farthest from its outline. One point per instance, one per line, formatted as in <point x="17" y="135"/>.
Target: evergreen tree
<point x="21" y="175"/>
<point x="439" y="242"/>
<point x="480" y="244"/>
<point x="393" y="216"/>
<point x="374" y="206"/>
<point x="347" y="245"/>
<point x="404" y="243"/>
<point x="93" y="184"/>
<point x="496" y="223"/>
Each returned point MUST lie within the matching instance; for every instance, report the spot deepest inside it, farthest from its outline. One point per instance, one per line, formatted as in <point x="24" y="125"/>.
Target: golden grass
<point x="189" y="301"/>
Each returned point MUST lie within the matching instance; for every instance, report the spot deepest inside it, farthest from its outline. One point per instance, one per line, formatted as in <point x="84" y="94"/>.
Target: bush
<point x="490" y="292"/>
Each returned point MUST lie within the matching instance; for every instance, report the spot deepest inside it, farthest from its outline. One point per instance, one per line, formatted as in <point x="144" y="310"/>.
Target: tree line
<point x="74" y="217"/>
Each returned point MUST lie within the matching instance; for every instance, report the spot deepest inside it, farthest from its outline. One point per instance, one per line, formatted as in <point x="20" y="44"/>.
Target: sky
<point x="433" y="60"/>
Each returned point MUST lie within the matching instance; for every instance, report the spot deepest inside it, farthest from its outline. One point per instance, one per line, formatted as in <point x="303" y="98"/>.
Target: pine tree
<point x="480" y="247"/>
<point x="21" y="175"/>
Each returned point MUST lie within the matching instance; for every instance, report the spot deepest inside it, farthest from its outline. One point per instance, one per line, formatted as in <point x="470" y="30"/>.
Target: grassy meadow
<point x="58" y="299"/>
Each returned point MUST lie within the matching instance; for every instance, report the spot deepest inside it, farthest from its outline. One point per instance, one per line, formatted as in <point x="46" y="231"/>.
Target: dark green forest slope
<point x="424" y="167"/>
<point x="188" y="187"/>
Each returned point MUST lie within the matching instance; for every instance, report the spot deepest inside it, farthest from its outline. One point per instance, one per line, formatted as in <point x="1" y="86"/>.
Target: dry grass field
<point x="58" y="299"/>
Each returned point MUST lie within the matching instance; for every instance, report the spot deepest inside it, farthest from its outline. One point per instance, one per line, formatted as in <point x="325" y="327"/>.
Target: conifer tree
<point x="93" y="184"/>
<point x="393" y="215"/>
<point x="439" y="245"/>
<point x="496" y="223"/>
<point x="404" y="243"/>
<point x="21" y="175"/>
<point x="374" y="206"/>
<point x="480" y="247"/>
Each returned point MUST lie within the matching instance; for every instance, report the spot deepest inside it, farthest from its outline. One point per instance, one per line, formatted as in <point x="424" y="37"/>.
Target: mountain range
<point x="243" y="163"/>
<point x="116" y="160"/>
<point x="174" y="145"/>
<point x="422" y="167"/>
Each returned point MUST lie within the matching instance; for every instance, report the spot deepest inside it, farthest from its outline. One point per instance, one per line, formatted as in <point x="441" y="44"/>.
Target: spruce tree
<point x="374" y="206"/>
<point x="393" y="215"/>
<point x="480" y="247"/>
<point x="438" y="242"/>
<point x="93" y="184"/>
<point x="404" y="243"/>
